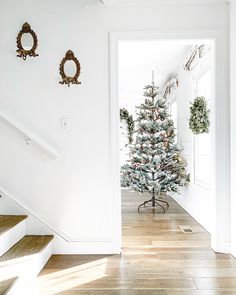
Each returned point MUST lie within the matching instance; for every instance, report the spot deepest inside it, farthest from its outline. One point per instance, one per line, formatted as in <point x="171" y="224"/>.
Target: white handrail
<point x="29" y="138"/>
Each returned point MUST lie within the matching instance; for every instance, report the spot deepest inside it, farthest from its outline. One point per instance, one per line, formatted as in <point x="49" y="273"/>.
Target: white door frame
<point x="220" y="126"/>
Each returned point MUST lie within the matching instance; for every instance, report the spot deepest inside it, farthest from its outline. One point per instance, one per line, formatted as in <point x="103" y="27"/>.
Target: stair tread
<point x="28" y="245"/>
<point x="6" y="285"/>
<point x="9" y="221"/>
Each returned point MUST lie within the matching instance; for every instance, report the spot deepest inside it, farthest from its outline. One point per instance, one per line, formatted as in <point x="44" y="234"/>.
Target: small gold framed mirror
<point x="27" y="42"/>
<point x="70" y="69"/>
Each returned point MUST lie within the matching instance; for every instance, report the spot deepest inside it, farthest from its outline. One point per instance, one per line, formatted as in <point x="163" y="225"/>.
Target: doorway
<point x="219" y="138"/>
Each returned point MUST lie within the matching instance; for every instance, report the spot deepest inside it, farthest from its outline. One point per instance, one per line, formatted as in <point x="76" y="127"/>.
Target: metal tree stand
<point x="155" y="202"/>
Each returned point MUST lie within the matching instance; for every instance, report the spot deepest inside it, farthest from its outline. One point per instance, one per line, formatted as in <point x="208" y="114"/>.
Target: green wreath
<point x="199" y="116"/>
<point x="124" y="115"/>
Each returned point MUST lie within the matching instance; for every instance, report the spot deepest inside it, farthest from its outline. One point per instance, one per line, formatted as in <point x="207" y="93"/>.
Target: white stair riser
<point x="27" y="271"/>
<point x="11" y="237"/>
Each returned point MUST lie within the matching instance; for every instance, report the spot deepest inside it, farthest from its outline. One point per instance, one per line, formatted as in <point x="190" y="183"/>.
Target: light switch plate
<point x="64" y="123"/>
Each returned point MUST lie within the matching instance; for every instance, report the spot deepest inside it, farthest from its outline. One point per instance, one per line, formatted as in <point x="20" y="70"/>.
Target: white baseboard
<point x="233" y="249"/>
<point x="222" y="247"/>
<point x="93" y="247"/>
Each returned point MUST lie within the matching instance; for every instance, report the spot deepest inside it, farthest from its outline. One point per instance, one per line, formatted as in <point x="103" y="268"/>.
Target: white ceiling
<point x="161" y="2"/>
<point x="137" y="60"/>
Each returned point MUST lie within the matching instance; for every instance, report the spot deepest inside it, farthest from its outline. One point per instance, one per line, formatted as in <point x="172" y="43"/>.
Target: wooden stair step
<point x="9" y="221"/>
<point x="27" y="246"/>
<point x="5" y="286"/>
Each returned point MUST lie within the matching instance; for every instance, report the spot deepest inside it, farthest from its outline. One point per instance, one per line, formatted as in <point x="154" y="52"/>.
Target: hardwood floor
<point x="158" y="259"/>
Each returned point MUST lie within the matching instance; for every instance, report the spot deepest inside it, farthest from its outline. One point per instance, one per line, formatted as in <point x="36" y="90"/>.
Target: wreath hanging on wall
<point x="199" y="116"/>
<point x="124" y="115"/>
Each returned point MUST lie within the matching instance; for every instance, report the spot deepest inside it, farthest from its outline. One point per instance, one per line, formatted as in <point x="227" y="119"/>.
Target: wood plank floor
<point x="157" y="259"/>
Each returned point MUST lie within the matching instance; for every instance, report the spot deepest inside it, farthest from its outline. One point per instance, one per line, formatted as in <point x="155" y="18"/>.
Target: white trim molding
<point x="220" y="209"/>
<point x="123" y="3"/>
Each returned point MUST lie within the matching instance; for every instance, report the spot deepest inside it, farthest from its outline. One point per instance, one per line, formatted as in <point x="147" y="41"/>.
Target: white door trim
<point x="220" y="125"/>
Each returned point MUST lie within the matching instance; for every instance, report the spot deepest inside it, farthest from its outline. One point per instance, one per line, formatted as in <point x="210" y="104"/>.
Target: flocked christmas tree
<point x="155" y="164"/>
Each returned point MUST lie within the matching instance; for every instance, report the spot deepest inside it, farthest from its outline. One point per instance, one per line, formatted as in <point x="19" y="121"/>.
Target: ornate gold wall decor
<point x="67" y="78"/>
<point x="22" y="50"/>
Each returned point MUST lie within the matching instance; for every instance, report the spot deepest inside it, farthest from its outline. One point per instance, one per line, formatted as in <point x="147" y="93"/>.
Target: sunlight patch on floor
<point x="67" y="279"/>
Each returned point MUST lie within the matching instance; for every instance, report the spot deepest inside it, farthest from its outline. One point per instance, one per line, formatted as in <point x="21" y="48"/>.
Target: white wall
<point x="74" y="193"/>
<point x="233" y="122"/>
<point x="196" y="198"/>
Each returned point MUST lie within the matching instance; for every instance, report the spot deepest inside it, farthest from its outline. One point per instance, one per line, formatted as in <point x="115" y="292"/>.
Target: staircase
<point x="21" y="256"/>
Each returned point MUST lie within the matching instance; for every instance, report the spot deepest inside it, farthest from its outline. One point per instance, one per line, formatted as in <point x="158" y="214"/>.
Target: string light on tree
<point x="156" y="164"/>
